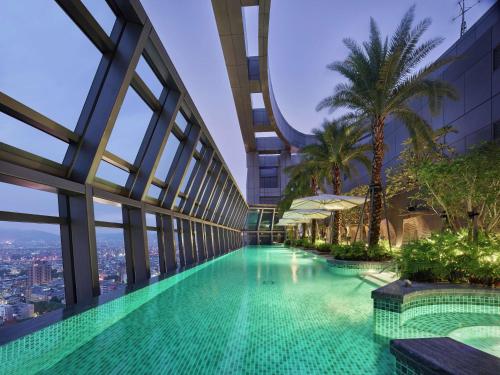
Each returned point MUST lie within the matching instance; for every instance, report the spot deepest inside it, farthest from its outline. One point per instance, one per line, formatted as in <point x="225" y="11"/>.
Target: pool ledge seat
<point x="441" y="355"/>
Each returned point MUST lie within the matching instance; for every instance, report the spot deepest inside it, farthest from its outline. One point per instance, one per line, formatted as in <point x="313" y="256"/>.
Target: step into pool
<point x="258" y="310"/>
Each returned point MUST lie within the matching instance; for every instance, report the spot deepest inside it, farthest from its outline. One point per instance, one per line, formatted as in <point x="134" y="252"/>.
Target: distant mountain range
<point x="30" y="235"/>
<point x="26" y="235"/>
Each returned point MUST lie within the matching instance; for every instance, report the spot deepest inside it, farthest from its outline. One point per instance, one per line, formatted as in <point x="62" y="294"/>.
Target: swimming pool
<point x="258" y="310"/>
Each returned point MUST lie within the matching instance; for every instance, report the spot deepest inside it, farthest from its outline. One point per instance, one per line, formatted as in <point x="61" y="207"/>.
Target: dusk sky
<point x="48" y="64"/>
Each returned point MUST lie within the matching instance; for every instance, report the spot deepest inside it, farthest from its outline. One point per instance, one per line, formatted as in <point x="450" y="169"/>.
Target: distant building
<point x="6" y="312"/>
<point x="24" y="311"/>
<point x="40" y="273"/>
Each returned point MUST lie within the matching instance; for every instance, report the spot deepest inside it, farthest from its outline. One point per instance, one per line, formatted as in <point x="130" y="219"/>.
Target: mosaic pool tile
<point x="265" y="310"/>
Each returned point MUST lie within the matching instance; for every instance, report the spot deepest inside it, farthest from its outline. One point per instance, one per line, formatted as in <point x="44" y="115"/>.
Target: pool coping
<point x="16" y="331"/>
<point x="400" y="291"/>
<point x="441" y="355"/>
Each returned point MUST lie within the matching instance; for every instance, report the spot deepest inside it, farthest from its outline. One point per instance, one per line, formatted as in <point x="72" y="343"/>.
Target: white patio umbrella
<point x="287" y="222"/>
<point x="327" y="202"/>
<point x="306" y="214"/>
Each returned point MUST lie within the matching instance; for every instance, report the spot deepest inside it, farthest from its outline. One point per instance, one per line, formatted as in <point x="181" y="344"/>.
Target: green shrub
<point x="359" y="251"/>
<point x="324" y="247"/>
<point x="450" y="257"/>
<point x="288" y="242"/>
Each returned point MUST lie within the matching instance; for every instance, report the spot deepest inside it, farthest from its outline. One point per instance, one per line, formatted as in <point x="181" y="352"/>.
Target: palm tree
<point x="335" y="153"/>
<point x="382" y="78"/>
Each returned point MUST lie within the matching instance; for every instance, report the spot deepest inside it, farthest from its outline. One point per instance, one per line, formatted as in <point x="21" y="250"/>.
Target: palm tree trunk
<point x="336" y="218"/>
<point x="304" y="227"/>
<point x="376" y="182"/>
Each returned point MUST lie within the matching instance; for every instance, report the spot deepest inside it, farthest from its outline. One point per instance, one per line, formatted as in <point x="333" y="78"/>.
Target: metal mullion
<point x="109" y="186"/>
<point x="105" y="99"/>
<point x="153" y="145"/>
<point x="198" y="182"/>
<point x="235" y="213"/>
<point x="23" y="176"/>
<point x="27" y="159"/>
<point x="29" y="218"/>
<point x="216" y="194"/>
<point x="88" y="24"/>
<point x="231" y="208"/>
<point x="209" y="189"/>
<point x="221" y="201"/>
<point x="227" y="206"/>
<point x="108" y="224"/>
<point x="118" y="162"/>
<point x="35" y="119"/>
<point x="145" y="93"/>
<point x="179" y="166"/>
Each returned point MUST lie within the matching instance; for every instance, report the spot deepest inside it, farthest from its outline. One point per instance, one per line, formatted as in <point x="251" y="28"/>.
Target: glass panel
<point x="167" y="157"/>
<point x="257" y="100"/>
<point x="111" y="173"/>
<point x="111" y="258"/>
<point x="23" y="136"/>
<point x="149" y="77"/>
<point x="252" y="220"/>
<point x="107" y="212"/>
<point x="199" y="146"/>
<point x="178" y="203"/>
<point x="192" y="164"/>
<point x="150" y="220"/>
<point x="181" y="121"/>
<point x="251" y="29"/>
<point x="102" y="13"/>
<point x="44" y="51"/>
<point x="31" y="271"/>
<point x="265" y="222"/>
<point x="31" y="201"/>
<point x="130" y="127"/>
<point x="154" y="260"/>
<point x="269" y="177"/>
<point x="154" y="191"/>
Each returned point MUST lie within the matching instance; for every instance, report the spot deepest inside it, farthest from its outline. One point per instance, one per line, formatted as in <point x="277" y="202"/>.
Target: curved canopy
<point x="327" y="202"/>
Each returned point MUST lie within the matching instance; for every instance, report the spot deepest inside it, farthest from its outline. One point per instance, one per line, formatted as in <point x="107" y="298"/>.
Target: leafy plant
<point x="360" y="251"/>
<point x="324" y="247"/>
<point x="450" y="257"/>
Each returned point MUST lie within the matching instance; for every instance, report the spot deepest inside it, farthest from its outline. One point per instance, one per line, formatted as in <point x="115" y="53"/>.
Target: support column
<point x="216" y="239"/>
<point x="136" y="244"/>
<point x="166" y="245"/>
<point x="78" y="242"/>
<point x="202" y="253"/>
<point x="187" y="241"/>
<point x="209" y="241"/>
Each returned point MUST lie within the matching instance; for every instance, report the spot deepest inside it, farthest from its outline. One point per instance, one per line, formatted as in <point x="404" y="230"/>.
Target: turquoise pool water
<point x="258" y="310"/>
